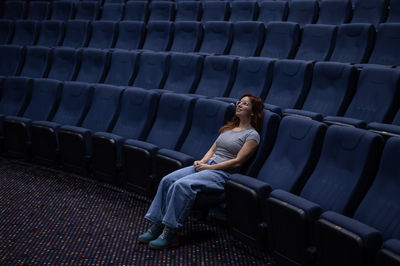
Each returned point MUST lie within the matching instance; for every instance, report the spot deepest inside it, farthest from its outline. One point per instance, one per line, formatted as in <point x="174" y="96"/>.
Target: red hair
<point x="257" y="106"/>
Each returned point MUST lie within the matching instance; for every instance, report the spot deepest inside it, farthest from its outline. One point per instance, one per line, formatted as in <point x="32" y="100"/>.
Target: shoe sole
<point x="172" y="245"/>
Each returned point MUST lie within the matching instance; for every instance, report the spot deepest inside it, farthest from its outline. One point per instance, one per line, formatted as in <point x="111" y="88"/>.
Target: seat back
<point x="394" y="12"/>
<point x="25" y="32"/>
<point x="12" y="57"/>
<point x="334" y="12"/>
<point x="87" y="10"/>
<point x="281" y="40"/>
<point x="39" y="10"/>
<point x="317" y="42"/>
<point x="153" y="69"/>
<point x="353" y="43"/>
<point x="93" y="65"/>
<point x="112" y="11"/>
<point x="184" y="73"/>
<point x="217" y="76"/>
<point x="162" y="10"/>
<point x="290" y="83"/>
<point x="104" y="109"/>
<point x="303" y="11"/>
<point x="130" y="35"/>
<point x="158" y="35"/>
<point x="76" y="33"/>
<point x="74" y="104"/>
<point x="131" y="122"/>
<point x="172" y="121"/>
<point x="370" y="11"/>
<point x="15" y="95"/>
<point x="243" y="11"/>
<point x="385" y="51"/>
<point x="247" y="38"/>
<point x="136" y="10"/>
<point x="103" y="34"/>
<point x="51" y="33"/>
<point x="273" y="11"/>
<point x="377" y="95"/>
<point x="332" y="88"/>
<point x="36" y="62"/>
<point x="346" y="167"/>
<point x="254" y="75"/>
<point x="188" y="11"/>
<point x="6" y="31"/>
<point x="65" y="64"/>
<point x="187" y="36"/>
<point x="122" y="68"/>
<point x="14" y="9"/>
<point x="215" y="11"/>
<point x="44" y="100"/>
<point x="62" y="10"/>
<point x="218" y="37"/>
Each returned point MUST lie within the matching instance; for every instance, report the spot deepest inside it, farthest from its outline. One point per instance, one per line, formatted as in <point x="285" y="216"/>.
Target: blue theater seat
<point x="25" y="32"/>
<point x="64" y="64"/>
<point x="215" y="11"/>
<point x="131" y="124"/>
<point x="394" y="12"/>
<point x="130" y="35"/>
<point x="187" y="36"/>
<point x="332" y="88"/>
<point x="15" y="10"/>
<point x="388" y="255"/>
<point x="345" y="169"/>
<point x="74" y="104"/>
<point x="184" y="73"/>
<point x="159" y="35"/>
<point x="75" y="142"/>
<point x="42" y="106"/>
<point x="356" y="240"/>
<point x="162" y="10"/>
<point x="217" y="76"/>
<point x="62" y="10"/>
<point x="112" y="11"/>
<point x="103" y="34"/>
<point x="334" y="12"/>
<point x="136" y="11"/>
<point x="171" y="125"/>
<point x="87" y="10"/>
<point x="218" y="37"/>
<point x="12" y="58"/>
<point x="39" y="10"/>
<point x="122" y="68"/>
<point x="370" y="11"/>
<point x="188" y="11"/>
<point x="290" y="85"/>
<point x="76" y="33"/>
<point x="317" y="42"/>
<point x="273" y="11"/>
<point x="281" y="40"/>
<point x="6" y="31"/>
<point x="153" y="70"/>
<point x="288" y="166"/>
<point x="243" y="11"/>
<point x="354" y="43"/>
<point x="376" y="98"/>
<point x="387" y="130"/>
<point x="303" y="11"/>
<point x="93" y="65"/>
<point x="36" y="62"/>
<point x="247" y="38"/>
<point x="51" y="33"/>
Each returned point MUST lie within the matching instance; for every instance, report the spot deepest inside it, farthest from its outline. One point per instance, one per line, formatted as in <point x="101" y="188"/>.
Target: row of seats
<point x="301" y="11"/>
<point x="319" y="191"/>
<point x="330" y="91"/>
<point x="348" y="43"/>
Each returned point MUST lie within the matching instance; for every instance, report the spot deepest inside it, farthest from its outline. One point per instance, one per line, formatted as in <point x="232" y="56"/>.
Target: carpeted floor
<point x="49" y="217"/>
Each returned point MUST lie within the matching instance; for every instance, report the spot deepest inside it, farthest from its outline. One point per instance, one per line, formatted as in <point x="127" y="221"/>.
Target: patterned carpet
<point x="49" y="217"/>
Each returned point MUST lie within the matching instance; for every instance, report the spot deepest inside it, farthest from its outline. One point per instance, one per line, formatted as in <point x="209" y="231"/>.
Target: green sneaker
<point x="168" y="239"/>
<point x="154" y="231"/>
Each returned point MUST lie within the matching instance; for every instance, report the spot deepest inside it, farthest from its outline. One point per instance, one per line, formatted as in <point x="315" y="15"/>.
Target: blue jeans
<point x="177" y="193"/>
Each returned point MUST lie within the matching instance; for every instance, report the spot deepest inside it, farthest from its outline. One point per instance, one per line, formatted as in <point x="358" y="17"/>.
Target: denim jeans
<point x="177" y="193"/>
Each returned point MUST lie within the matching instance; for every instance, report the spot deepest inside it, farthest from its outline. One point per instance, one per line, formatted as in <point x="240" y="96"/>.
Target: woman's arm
<point x="207" y="156"/>
<point x="243" y="155"/>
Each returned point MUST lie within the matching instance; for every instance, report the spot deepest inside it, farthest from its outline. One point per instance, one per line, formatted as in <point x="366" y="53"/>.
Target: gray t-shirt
<point x="230" y="142"/>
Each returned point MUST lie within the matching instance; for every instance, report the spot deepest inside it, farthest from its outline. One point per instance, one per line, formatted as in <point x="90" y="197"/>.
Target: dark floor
<point x="52" y="217"/>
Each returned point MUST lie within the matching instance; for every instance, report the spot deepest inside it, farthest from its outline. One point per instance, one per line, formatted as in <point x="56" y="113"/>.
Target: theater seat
<point x="188" y="11"/>
<point x="62" y="10"/>
<point x="122" y="69"/>
<point x="76" y="33"/>
<point x="243" y="11"/>
<point x="6" y="31"/>
<point x="103" y="34"/>
<point x="15" y="10"/>
<point x="65" y="63"/>
<point x="112" y="11"/>
<point x="218" y="37"/>
<point x="273" y="11"/>
<point x="162" y="10"/>
<point x="158" y="36"/>
<point x="247" y="38"/>
<point x="370" y="11"/>
<point x="187" y="36"/>
<point x="303" y="11"/>
<point x="215" y="11"/>
<point x="36" y="62"/>
<point x="39" y="10"/>
<point x="87" y="10"/>
<point x="136" y="11"/>
<point x="12" y="58"/>
<point x="130" y="35"/>
<point x="26" y="32"/>
<point x="51" y="33"/>
<point x="334" y="12"/>
<point x="93" y="65"/>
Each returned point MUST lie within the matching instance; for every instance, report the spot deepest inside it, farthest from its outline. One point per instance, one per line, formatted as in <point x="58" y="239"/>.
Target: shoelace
<point x="165" y="233"/>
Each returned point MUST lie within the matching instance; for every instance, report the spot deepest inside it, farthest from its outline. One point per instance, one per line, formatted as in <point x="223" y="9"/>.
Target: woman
<point x="177" y="191"/>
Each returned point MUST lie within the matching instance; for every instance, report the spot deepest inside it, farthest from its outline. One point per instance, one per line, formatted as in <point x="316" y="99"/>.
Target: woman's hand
<point x="200" y="166"/>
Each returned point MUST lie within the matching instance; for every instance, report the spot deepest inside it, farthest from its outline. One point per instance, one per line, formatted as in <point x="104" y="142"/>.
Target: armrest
<point x="385" y="129"/>
<point x="46" y="124"/>
<point x="167" y="161"/>
<point x="273" y="108"/>
<point x="347" y="121"/>
<point x="303" y="113"/>
<point x="133" y="143"/>
<point x="261" y="188"/>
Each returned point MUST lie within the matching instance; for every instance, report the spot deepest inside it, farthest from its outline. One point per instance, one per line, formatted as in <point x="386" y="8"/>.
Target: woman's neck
<point x="244" y="123"/>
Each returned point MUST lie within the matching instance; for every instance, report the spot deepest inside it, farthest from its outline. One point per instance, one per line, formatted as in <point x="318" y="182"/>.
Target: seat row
<point x="348" y="43"/>
<point x="301" y="11"/>
<point x="326" y="90"/>
<point x="319" y="191"/>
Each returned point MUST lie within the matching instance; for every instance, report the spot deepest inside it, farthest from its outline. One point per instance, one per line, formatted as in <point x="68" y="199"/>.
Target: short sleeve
<point x="253" y="135"/>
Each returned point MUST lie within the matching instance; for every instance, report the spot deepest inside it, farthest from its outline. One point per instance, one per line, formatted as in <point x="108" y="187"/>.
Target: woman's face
<point x="244" y="107"/>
